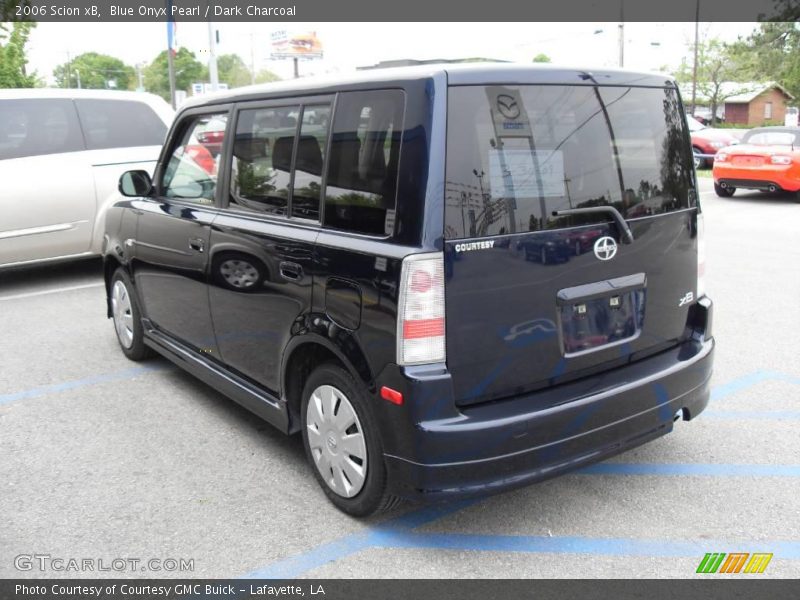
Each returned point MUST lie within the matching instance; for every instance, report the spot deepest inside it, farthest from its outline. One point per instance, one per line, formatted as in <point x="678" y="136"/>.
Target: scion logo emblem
<point x="605" y="248"/>
<point x="507" y="106"/>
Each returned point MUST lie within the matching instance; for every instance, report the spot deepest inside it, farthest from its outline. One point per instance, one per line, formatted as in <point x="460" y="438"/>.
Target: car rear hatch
<point x="570" y="233"/>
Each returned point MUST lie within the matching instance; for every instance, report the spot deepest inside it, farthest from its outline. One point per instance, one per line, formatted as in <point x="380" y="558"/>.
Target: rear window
<point x="516" y="154"/>
<point x="38" y="127"/>
<point x="119" y="124"/>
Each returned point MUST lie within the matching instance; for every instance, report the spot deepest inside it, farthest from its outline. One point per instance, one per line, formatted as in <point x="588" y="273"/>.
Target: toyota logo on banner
<point x="605" y="248"/>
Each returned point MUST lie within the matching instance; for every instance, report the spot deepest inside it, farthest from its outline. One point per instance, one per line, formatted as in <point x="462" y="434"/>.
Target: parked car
<point x="768" y="159"/>
<point x="343" y="284"/>
<point x="707" y="141"/>
<point x="61" y="155"/>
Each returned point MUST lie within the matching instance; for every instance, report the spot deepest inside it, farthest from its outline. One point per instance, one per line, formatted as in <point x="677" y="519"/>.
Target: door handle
<point x="291" y="271"/>
<point x="197" y="244"/>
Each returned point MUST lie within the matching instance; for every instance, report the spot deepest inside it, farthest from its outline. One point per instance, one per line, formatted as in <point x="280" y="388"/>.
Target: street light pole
<point x="621" y="33"/>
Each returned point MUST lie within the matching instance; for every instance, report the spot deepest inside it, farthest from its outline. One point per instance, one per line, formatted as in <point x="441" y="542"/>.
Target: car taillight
<point x="420" y="311"/>
<point x="701" y="256"/>
<point x="779" y="159"/>
<point x="721" y="157"/>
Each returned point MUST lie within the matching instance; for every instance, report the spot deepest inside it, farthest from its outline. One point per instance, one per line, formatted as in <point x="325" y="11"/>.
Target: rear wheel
<point x="342" y="444"/>
<point x="724" y="192"/>
<point x="127" y="317"/>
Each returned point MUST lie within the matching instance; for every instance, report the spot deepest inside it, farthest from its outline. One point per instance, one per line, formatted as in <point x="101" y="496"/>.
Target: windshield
<point x="516" y="154"/>
<point x="772" y="138"/>
<point x="694" y="124"/>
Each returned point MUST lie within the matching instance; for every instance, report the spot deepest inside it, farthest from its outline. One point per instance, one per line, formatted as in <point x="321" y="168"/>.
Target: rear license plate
<point x="603" y="314"/>
<point x="748" y="161"/>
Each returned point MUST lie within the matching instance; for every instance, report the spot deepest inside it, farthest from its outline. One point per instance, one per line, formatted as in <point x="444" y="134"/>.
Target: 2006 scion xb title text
<point x="167" y="591"/>
<point x="154" y="12"/>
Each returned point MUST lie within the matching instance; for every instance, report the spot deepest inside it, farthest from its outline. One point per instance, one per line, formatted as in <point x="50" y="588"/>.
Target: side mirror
<point x="135" y="183"/>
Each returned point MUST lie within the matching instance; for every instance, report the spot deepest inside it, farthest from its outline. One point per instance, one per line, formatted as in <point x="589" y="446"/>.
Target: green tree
<point x="96" y="72"/>
<point x="13" y="61"/>
<point x="541" y="58"/>
<point x="188" y="70"/>
<point x="232" y="70"/>
<point x="717" y="63"/>
<point x="772" y="53"/>
<point x="265" y="76"/>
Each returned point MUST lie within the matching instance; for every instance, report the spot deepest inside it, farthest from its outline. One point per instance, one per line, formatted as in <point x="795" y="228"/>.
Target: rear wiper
<point x="625" y="232"/>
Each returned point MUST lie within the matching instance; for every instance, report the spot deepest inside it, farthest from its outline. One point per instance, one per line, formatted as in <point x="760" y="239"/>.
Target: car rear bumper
<point x="786" y="178"/>
<point x="505" y="444"/>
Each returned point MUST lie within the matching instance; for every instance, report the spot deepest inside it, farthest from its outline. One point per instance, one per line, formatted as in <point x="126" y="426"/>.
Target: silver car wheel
<point x="336" y="440"/>
<point x="123" y="314"/>
<point x="239" y="273"/>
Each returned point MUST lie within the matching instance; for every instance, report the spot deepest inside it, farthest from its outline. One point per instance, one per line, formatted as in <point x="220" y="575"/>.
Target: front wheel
<point x="342" y="443"/>
<point x="699" y="161"/>
<point x="127" y="318"/>
<point x="724" y="192"/>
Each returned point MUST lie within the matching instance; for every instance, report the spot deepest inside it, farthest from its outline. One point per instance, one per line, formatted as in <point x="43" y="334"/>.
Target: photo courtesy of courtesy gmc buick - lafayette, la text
<point x="450" y="280"/>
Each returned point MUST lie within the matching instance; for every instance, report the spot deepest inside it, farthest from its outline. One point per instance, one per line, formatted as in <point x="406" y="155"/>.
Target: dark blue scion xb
<point x="451" y="280"/>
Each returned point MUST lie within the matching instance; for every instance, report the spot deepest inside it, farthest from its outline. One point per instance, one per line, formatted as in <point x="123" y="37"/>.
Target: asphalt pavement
<point x="105" y="459"/>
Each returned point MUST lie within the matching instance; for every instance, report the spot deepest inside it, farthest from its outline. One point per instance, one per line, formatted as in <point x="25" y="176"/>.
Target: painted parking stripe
<point x="292" y="566"/>
<point x="60" y="290"/>
<point x="758" y="415"/>
<point x="691" y="469"/>
<point x="79" y="383"/>
<point x="574" y="545"/>
<point x="741" y="383"/>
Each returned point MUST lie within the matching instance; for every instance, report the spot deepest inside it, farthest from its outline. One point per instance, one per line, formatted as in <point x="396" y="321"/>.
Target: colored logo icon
<point x="735" y="562"/>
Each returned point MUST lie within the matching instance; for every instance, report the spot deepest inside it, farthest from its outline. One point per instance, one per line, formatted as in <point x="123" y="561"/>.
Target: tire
<point x="699" y="162"/>
<point x="330" y="393"/>
<point x="724" y="192"/>
<point x="127" y="317"/>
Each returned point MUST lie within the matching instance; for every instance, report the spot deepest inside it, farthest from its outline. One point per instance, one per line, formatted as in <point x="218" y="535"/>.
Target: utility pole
<point x="296" y="67"/>
<point x="212" y="58"/>
<point x="78" y="77"/>
<point x="621" y="33"/>
<point x="69" y="71"/>
<point x="252" y="60"/>
<point x="696" y="44"/>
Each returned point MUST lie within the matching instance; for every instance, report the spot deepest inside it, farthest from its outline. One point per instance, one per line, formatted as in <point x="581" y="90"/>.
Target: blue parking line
<point x="691" y="469"/>
<point x="293" y="566"/>
<point x="762" y="415"/>
<point x="575" y="545"/>
<point x="79" y="383"/>
<point x="746" y="381"/>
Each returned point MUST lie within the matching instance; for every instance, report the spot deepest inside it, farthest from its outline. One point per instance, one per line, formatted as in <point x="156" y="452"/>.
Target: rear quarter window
<point x="119" y="124"/>
<point x="361" y="187"/>
<point x="35" y="127"/>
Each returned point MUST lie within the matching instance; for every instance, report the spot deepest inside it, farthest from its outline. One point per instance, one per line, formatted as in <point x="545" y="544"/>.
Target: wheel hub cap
<point x="336" y="440"/>
<point x="122" y="313"/>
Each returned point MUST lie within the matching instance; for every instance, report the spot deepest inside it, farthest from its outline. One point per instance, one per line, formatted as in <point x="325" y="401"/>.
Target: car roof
<point x="456" y="74"/>
<point x="157" y="103"/>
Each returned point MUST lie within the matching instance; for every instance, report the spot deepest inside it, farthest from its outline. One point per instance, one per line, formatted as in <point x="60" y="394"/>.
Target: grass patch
<point x="704" y="173"/>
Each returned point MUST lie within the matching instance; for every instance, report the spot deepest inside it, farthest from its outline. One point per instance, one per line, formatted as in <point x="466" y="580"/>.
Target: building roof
<point x="739" y="92"/>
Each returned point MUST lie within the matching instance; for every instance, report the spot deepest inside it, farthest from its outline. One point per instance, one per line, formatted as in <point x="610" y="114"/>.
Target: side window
<point x="308" y="163"/>
<point x="119" y="124"/>
<point x="38" y="127"/>
<point x="191" y="173"/>
<point x="361" y="188"/>
<point x="262" y="159"/>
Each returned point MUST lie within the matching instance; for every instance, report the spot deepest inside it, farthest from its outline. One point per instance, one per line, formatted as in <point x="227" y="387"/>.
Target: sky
<point x="648" y="46"/>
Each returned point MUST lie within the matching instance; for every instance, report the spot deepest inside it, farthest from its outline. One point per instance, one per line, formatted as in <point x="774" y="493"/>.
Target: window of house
<point x="768" y="110"/>
<point x="361" y="187"/>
